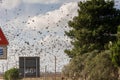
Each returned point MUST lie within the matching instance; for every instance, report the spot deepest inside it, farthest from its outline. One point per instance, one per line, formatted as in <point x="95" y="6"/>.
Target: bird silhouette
<point x="30" y="37"/>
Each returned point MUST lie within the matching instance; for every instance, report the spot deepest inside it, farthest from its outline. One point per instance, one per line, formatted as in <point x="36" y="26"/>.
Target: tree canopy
<point x="92" y="66"/>
<point x="115" y="50"/>
<point x="91" y="30"/>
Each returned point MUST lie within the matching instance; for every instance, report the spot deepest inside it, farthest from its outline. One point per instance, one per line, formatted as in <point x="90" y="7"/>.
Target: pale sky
<point x="36" y="28"/>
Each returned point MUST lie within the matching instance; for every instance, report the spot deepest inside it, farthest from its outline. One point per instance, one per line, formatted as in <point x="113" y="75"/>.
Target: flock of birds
<point x="45" y="41"/>
<point x="34" y="38"/>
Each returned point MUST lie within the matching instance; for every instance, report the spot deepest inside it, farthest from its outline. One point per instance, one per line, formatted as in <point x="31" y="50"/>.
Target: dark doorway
<point x="29" y="66"/>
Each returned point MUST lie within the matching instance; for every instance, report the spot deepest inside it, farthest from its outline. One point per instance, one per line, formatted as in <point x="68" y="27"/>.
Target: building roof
<point x="3" y="39"/>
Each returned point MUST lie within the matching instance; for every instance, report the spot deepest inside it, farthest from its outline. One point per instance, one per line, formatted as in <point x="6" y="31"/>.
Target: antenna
<point x="6" y="14"/>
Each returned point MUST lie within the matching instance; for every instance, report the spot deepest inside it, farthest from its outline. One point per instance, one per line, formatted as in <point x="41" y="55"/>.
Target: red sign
<point x="3" y="40"/>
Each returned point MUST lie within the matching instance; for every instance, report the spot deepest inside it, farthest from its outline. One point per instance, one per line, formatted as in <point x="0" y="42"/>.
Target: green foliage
<point x="12" y="74"/>
<point x="116" y="53"/>
<point x="91" y="66"/>
<point x="100" y="67"/>
<point x="115" y="50"/>
<point x="92" y="28"/>
<point x="91" y="31"/>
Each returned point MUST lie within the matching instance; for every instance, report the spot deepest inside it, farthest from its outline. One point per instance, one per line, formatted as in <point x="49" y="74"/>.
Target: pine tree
<point x="92" y="29"/>
<point x="115" y="50"/>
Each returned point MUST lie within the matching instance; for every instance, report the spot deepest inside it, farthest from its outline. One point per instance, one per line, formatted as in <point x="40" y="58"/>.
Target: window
<point x="1" y="51"/>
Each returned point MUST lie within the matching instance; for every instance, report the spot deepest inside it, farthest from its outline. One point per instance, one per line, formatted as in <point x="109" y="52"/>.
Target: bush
<point x="12" y="74"/>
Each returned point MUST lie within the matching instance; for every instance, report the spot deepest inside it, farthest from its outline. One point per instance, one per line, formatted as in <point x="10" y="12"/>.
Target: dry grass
<point x="1" y="78"/>
<point x="43" y="78"/>
<point x="40" y="78"/>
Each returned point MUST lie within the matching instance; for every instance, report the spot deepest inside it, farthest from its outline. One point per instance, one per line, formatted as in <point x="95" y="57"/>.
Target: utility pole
<point x="24" y="66"/>
<point x="55" y="60"/>
<point x="45" y="74"/>
<point x="40" y="66"/>
<point x="55" y="66"/>
<point x="36" y="68"/>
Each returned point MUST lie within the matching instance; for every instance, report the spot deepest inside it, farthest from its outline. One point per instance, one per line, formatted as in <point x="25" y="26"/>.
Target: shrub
<point x="11" y="74"/>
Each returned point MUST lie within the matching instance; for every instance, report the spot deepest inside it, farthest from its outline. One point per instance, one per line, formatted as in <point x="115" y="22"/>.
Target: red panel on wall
<point x="3" y="40"/>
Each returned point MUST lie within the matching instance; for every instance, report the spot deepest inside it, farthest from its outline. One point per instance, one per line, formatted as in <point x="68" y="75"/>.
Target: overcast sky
<point x="36" y="28"/>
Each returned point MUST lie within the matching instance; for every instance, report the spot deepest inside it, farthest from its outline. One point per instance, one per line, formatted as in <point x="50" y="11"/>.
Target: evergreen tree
<point x="115" y="50"/>
<point x="92" y="29"/>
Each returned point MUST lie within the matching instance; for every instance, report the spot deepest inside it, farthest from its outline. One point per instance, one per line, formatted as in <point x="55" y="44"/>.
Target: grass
<point x="43" y="78"/>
